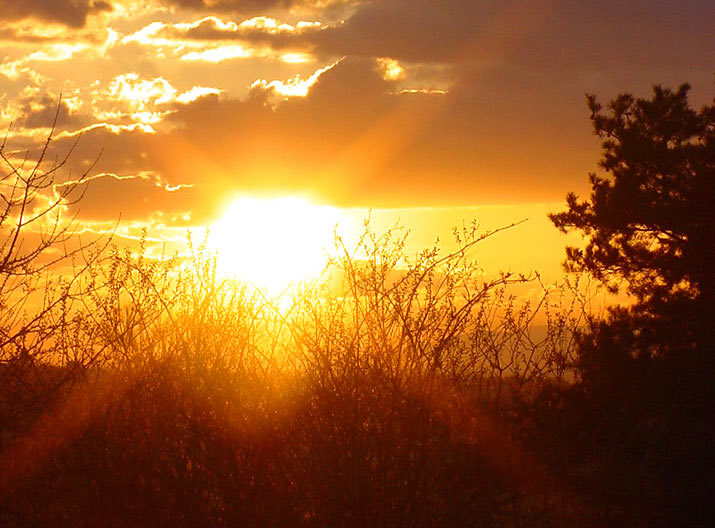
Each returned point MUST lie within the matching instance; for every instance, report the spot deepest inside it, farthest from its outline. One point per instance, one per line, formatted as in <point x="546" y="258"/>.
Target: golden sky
<point x="430" y="111"/>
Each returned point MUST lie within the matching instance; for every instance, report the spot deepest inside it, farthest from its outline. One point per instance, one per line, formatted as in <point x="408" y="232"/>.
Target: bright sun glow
<point x="273" y="243"/>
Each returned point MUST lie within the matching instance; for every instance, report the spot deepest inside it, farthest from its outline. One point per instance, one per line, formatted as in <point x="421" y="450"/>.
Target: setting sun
<point x="272" y="243"/>
<point x="326" y="263"/>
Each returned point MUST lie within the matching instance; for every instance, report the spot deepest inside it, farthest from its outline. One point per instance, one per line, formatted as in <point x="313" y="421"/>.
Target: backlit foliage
<point x="153" y="391"/>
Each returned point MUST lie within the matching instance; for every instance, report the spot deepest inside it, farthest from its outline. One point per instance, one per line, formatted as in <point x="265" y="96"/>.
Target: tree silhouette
<point x="649" y="220"/>
<point x="646" y="371"/>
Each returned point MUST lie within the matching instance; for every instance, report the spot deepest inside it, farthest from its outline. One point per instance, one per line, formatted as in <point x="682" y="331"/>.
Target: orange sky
<point x="433" y="112"/>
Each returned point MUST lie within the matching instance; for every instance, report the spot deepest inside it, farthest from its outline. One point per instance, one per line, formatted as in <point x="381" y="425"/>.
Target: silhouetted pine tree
<point x="646" y="371"/>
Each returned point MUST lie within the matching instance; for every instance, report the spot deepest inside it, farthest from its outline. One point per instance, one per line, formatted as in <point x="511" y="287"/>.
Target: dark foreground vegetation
<point x="397" y="392"/>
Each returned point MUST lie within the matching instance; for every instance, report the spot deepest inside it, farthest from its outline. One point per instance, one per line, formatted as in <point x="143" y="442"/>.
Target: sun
<point x="273" y="243"/>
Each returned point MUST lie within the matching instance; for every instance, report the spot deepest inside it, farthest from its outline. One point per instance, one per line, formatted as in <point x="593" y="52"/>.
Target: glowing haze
<point x="432" y="112"/>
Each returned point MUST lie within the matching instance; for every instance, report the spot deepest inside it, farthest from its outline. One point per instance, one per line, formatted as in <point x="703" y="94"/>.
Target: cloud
<point x="213" y="40"/>
<point x="350" y="139"/>
<point x="391" y="69"/>
<point x="72" y="13"/>
<point x="501" y="134"/>
<point x="447" y="102"/>
<point x="245" y="6"/>
<point x="543" y="33"/>
<point x="195" y="93"/>
<point x="295" y="87"/>
<point x="228" y="5"/>
<point x="211" y="33"/>
<point x="218" y="54"/>
<point x="138" y="93"/>
<point x="213" y="28"/>
<point x="14" y="35"/>
<point x="418" y="30"/>
<point x="40" y="112"/>
<point x="130" y="99"/>
<point x="132" y="197"/>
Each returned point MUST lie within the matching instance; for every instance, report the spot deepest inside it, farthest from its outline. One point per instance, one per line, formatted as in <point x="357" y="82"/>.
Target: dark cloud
<point x="208" y="30"/>
<point x="513" y="127"/>
<point x="131" y="175"/>
<point x="501" y="135"/>
<point x="48" y="110"/>
<point x="458" y="30"/>
<point x="72" y="13"/>
<point x="13" y="35"/>
<point x="108" y="197"/>
<point x="419" y="30"/>
<point x="236" y="6"/>
<point x="543" y="31"/>
<point x="541" y="34"/>
<point x="355" y="142"/>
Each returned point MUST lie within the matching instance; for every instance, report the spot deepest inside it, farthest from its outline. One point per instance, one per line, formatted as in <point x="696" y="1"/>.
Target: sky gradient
<point x="454" y="109"/>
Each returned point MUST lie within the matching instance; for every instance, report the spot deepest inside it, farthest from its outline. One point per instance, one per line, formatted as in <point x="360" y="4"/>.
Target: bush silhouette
<point x="381" y="395"/>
